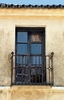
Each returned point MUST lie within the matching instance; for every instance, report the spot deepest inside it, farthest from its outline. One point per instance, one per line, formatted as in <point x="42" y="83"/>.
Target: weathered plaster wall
<point x="52" y="20"/>
<point x="5" y="93"/>
<point x="36" y="93"/>
<point x="31" y="93"/>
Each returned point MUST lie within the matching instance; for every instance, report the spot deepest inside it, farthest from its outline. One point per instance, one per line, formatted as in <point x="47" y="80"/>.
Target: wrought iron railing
<point x="32" y="72"/>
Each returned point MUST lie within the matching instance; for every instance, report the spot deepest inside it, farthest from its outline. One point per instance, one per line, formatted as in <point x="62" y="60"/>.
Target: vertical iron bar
<point x="35" y="69"/>
<point x="40" y="68"/>
<point x="52" y="53"/>
<point x="19" y="60"/>
<point x="22" y="67"/>
<point x="49" y="70"/>
<point x="43" y="69"/>
<point x="29" y="57"/>
<point x="12" y="53"/>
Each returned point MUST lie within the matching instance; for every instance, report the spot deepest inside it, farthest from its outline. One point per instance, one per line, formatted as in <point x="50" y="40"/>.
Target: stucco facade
<point x="53" y="21"/>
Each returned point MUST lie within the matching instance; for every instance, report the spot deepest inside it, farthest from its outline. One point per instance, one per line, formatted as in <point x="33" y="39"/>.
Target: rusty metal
<point x="51" y="55"/>
<point x="12" y="53"/>
<point x="32" y="73"/>
<point x="50" y="68"/>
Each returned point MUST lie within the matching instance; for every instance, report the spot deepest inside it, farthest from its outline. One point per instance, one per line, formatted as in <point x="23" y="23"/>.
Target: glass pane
<point x="22" y="37"/>
<point x="22" y="60"/>
<point x="36" y="37"/>
<point x="35" y="48"/>
<point x="37" y="60"/>
<point x="21" y="48"/>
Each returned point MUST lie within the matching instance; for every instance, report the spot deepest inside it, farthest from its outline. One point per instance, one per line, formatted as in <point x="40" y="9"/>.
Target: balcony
<point x="32" y="70"/>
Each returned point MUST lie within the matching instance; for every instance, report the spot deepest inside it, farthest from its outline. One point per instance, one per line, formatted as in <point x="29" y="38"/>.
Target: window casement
<point x="30" y="60"/>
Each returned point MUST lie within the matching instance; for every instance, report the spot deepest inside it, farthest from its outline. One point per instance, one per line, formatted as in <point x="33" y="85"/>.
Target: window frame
<point x="24" y="29"/>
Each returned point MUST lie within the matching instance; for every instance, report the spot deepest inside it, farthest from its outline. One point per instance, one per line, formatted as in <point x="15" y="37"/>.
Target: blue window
<point x="29" y="60"/>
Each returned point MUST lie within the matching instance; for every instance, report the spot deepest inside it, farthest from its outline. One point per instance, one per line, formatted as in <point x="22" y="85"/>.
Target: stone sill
<point x="31" y="87"/>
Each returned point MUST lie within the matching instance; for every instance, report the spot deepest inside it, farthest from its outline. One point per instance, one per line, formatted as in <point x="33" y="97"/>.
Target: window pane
<point x="37" y="60"/>
<point x="36" y="37"/>
<point x="21" y="48"/>
<point x="35" y="48"/>
<point x="22" y="37"/>
<point x="22" y="60"/>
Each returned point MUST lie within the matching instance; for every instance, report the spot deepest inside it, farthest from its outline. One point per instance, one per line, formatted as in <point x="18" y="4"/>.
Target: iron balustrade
<point x="32" y="70"/>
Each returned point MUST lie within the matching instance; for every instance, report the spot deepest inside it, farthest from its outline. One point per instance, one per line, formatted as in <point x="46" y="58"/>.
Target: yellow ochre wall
<point x="31" y="93"/>
<point x="53" y="21"/>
